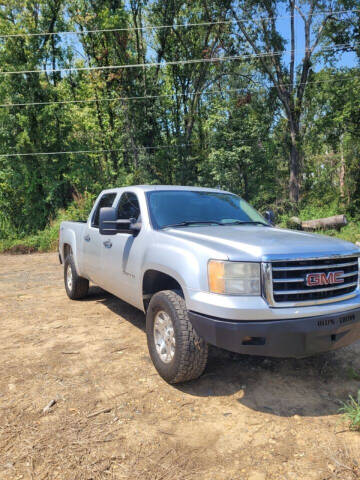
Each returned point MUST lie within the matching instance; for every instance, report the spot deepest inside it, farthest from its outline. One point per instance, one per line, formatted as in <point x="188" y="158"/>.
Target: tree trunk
<point x="295" y="158"/>
<point x="342" y="171"/>
<point x="336" y="221"/>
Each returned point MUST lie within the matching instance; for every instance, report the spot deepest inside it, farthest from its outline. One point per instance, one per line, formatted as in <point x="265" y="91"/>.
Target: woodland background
<point x="258" y="97"/>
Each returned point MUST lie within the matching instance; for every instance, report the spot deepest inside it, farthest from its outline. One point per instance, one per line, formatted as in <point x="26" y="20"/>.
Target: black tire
<point x="191" y="351"/>
<point x="79" y="286"/>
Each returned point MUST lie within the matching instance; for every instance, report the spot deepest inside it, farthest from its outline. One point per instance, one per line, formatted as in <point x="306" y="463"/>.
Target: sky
<point x="347" y="59"/>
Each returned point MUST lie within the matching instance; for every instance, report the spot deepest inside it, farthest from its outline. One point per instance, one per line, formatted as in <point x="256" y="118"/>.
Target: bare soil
<point x="113" y="417"/>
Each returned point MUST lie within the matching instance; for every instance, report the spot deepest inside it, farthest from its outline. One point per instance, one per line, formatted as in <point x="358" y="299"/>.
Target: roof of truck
<point x="148" y="188"/>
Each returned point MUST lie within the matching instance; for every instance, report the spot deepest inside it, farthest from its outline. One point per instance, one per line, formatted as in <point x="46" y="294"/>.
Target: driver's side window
<point x="128" y="207"/>
<point x="106" y="200"/>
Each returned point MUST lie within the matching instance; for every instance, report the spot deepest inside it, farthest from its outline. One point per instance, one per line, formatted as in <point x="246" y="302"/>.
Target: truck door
<point x="93" y="241"/>
<point x="121" y="254"/>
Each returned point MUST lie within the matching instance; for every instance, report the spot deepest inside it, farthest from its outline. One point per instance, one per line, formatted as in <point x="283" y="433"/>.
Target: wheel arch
<point x="66" y="250"/>
<point x="68" y="245"/>
<point x="157" y="279"/>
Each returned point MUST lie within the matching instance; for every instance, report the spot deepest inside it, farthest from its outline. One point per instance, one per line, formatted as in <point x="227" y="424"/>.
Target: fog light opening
<point x="253" y="341"/>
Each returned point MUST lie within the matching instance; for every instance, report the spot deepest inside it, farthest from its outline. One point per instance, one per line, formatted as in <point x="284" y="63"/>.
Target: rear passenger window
<point x="128" y="206"/>
<point x="105" y="201"/>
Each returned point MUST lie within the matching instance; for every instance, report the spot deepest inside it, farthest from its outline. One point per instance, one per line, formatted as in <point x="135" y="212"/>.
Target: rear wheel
<point x="177" y="351"/>
<point x="76" y="287"/>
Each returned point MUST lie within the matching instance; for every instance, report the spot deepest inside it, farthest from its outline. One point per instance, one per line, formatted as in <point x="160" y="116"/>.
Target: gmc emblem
<point x="321" y="278"/>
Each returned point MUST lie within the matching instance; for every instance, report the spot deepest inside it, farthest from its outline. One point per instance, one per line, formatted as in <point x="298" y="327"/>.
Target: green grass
<point x="351" y="412"/>
<point x="353" y="374"/>
<point x="350" y="233"/>
<point x="43" y="241"/>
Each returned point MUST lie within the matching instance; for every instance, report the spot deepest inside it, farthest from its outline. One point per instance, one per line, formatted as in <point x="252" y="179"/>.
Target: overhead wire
<point x="171" y="95"/>
<point x="150" y="64"/>
<point x="147" y="147"/>
<point x="175" y="25"/>
<point x="174" y="62"/>
<point x="137" y="149"/>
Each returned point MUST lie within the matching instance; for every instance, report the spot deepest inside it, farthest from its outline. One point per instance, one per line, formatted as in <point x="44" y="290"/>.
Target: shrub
<point x="46" y="240"/>
<point x="351" y="412"/>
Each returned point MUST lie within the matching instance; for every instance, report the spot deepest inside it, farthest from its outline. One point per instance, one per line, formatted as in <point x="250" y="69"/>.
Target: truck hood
<point x="259" y="243"/>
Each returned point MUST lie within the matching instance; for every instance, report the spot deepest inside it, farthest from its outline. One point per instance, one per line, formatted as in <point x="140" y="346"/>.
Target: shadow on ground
<point x="314" y="386"/>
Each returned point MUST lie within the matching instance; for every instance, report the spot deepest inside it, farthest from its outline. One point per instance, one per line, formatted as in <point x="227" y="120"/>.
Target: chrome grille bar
<point x="313" y="290"/>
<point x="314" y="267"/>
<point x="285" y="280"/>
<point x="301" y="279"/>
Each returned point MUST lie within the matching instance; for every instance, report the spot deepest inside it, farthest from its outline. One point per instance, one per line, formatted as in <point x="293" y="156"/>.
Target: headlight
<point x="234" y="278"/>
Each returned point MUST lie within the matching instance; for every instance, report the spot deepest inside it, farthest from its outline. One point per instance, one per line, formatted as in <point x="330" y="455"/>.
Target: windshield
<point x="184" y="207"/>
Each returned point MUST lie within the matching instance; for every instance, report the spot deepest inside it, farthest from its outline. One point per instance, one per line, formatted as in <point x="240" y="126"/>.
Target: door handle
<point x="107" y="244"/>
<point x="87" y="238"/>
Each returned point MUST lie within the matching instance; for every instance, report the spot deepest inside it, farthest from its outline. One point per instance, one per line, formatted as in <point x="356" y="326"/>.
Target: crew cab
<point x="206" y="268"/>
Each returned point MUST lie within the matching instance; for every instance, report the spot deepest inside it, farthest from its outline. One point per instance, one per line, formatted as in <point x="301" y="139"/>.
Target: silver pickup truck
<point x="209" y="269"/>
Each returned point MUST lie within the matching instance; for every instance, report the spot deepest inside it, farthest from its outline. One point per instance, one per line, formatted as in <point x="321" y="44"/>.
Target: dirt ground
<point x="246" y="418"/>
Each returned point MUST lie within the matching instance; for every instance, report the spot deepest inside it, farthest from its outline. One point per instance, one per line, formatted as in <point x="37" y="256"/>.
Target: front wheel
<point x="76" y="287"/>
<point x="177" y="351"/>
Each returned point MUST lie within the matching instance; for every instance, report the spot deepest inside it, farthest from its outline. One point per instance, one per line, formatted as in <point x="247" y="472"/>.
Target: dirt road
<point x="115" y="418"/>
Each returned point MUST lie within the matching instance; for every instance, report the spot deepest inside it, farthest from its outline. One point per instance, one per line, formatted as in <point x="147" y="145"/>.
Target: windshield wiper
<point x="214" y="222"/>
<point x="249" y="222"/>
<point x="193" y="222"/>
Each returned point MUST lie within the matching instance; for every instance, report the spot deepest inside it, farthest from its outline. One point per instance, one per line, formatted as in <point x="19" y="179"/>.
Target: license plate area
<point x="334" y="322"/>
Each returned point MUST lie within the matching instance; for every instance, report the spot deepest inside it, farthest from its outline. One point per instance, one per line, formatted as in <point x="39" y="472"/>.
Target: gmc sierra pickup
<point x="209" y="269"/>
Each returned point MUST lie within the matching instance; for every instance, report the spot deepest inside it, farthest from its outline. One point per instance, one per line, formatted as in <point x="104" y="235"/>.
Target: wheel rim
<point x="69" y="277"/>
<point x="164" y="336"/>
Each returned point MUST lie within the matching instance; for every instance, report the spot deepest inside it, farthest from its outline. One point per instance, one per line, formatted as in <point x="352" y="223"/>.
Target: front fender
<point x="183" y="265"/>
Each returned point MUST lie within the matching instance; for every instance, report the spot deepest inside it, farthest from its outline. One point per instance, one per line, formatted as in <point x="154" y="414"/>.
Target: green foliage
<point x="353" y="374"/>
<point x="351" y="412"/>
<point x="320" y="209"/>
<point x="211" y="124"/>
<point x="350" y="232"/>
<point x="47" y="239"/>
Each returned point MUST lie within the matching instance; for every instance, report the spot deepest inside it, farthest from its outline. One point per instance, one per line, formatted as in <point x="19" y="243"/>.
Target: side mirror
<point x="110" y="224"/>
<point x="107" y="221"/>
<point x="270" y="217"/>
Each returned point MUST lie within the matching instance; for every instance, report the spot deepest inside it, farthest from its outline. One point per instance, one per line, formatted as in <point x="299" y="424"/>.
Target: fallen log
<point x="337" y="221"/>
<point x="295" y="222"/>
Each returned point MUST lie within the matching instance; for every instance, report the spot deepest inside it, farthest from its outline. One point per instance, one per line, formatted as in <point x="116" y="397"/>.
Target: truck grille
<point x="309" y="281"/>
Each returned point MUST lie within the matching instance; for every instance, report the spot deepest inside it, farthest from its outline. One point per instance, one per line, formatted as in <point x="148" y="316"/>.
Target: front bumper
<point x="300" y="337"/>
<point x="256" y="308"/>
